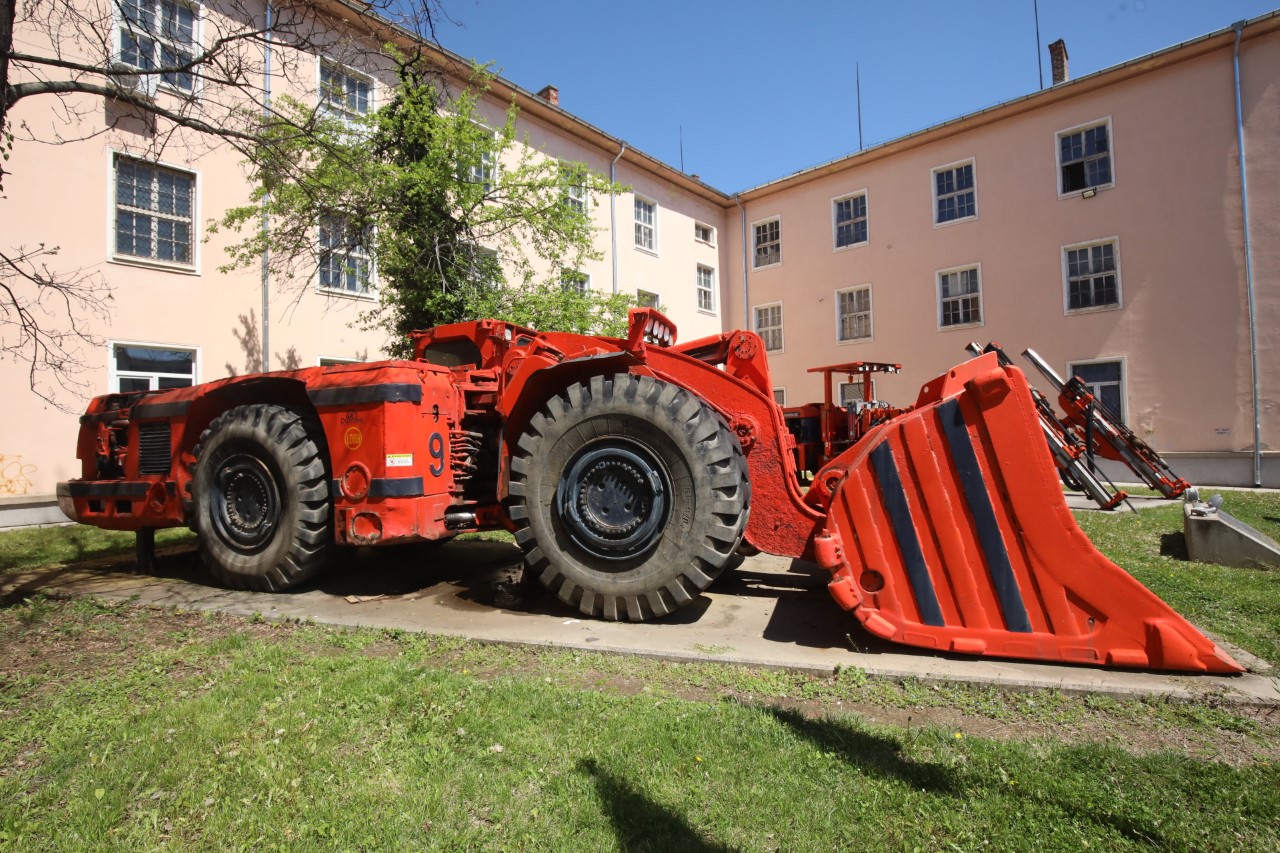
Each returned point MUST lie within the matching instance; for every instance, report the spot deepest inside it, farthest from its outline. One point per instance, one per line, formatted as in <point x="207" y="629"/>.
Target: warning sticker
<point x="399" y="460"/>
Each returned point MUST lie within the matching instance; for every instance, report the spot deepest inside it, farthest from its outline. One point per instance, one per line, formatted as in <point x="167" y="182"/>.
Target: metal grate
<point x="154" y="455"/>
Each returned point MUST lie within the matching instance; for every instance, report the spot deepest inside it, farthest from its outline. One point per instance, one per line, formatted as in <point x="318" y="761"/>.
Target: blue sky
<point x="762" y="89"/>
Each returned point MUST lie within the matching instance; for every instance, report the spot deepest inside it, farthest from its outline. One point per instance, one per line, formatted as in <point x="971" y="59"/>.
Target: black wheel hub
<point x="613" y="499"/>
<point x="247" y="506"/>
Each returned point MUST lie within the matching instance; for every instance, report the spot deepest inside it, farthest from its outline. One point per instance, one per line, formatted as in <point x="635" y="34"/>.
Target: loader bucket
<point x="949" y="530"/>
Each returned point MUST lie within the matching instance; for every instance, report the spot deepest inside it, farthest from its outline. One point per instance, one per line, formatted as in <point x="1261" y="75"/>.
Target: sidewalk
<point x="771" y="612"/>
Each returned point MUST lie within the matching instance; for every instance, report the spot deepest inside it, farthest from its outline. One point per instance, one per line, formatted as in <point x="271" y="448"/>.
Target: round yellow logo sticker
<point x="353" y="438"/>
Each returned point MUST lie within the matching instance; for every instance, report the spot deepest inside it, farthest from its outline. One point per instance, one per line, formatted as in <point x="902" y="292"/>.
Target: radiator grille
<point x="153" y="448"/>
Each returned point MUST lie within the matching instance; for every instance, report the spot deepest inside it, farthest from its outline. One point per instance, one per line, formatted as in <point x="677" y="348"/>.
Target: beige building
<point x="1099" y="221"/>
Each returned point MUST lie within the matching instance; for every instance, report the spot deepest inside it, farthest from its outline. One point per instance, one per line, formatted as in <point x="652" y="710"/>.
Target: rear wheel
<point x="630" y="495"/>
<point x="260" y="498"/>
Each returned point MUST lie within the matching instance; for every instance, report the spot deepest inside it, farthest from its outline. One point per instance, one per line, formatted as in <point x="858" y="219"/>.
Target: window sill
<point x="145" y="263"/>
<point x="1096" y="309"/>
<point x="766" y="267"/>
<point x="778" y="351"/>
<point x="977" y="325"/>
<point x="653" y="253"/>
<point x="1080" y="193"/>
<point x="704" y="242"/>
<point x="951" y="222"/>
<point x="852" y="341"/>
<point x="852" y="246"/>
<point x="370" y="296"/>
<point x="708" y="313"/>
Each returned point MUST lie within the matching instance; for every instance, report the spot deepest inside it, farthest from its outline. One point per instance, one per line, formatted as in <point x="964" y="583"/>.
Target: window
<point x="853" y="314"/>
<point x="704" y="233"/>
<point x="646" y="225"/>
<point x="480" y="169"/>
<point x="851" y="220"/>
<point x="954" y="193"/>
<point x="150" y="367"/>
<point x="344" y="94"/>
<point x="1104" y="380"/>
<point x="768" y="243"/>
<point x="158" y="34"/>
<point x="959" y="298"/>
<point x="1084" y="158"/>
<point x="706" y="289"/>
<point x="645" y="299"/>
<point x="575" y="188"/>
<point x="335" y="361"/>
<point x="769" y="326"/>
<point x="851" y="392"/>
<point x="344" y="257"/>
<point x="579" y="282"/>
<point x="780" y="396"/>
<point x="1093" y="279"/>
<point x="155" y="210"/>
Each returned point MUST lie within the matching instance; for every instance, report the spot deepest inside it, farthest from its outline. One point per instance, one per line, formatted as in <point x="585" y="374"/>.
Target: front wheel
<point x="260" y="498"/>
<point x="630" y="495"/>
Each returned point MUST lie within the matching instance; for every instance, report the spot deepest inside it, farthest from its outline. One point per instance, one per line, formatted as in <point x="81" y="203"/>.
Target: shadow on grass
<point x="1174" y="545"/>
<point x="640" y="824"/>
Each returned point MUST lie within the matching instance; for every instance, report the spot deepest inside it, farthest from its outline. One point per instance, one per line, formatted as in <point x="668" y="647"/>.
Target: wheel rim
<point x="613" y="499"/>
<point x="247" y="508"/>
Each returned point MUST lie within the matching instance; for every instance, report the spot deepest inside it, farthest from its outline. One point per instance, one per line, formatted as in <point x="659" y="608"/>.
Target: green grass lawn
<point x="126" y="729"/>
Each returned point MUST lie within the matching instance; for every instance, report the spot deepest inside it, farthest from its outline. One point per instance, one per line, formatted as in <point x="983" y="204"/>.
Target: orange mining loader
<point x="630" y="471"/>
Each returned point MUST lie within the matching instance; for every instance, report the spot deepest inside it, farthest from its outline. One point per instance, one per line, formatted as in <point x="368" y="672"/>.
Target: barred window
<point x="853" y="307"/>
<point x="155" y="210"/>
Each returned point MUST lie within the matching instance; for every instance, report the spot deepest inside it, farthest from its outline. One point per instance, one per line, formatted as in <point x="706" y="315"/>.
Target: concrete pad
<point x="771" y="612"/>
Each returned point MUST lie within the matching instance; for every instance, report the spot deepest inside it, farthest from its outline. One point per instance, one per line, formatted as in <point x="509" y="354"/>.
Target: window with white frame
<point x="853" y="314"/>
<point x="955" y="196"/>
<point x="646" y="224"/>
<point x="851" y="392"/>
<point x="767" y="237"/>
<point x="334" y="361"/>
<point x="151" y="367"/>
<point x="344" y="94"/>
<point x="577" y="282"/>
<point x="851" y="220"/>
<point x="155" y="212"/>
<point x="1093" y="276"/>
<point x="1105" y="381"/>
<point x="780" y="396"/>
<point x="344" y="262"/>
<point x="575" y="187"/>
<point x="769" y="325"/>
<point x="1084" y="158"/>
<point x="647" y="299"/>
<point x="704" y="233"/>
<point x="153" y="35"/>
<point x="481" y="168"/>
<point x="959" y="298"/>
<point x="706" y="288"/>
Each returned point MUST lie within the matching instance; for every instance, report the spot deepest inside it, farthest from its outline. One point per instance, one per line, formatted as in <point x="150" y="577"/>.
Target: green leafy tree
<point x="456" y="220"/>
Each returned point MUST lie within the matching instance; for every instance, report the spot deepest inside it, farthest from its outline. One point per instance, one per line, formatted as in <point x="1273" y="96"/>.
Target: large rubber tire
<point x="629" y="494"/>
<point x="260" y="498"/>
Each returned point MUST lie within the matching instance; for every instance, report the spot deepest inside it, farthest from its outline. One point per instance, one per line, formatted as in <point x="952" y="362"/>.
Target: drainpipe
<point x="266" y="251"/>
<point x="1248" y="266"/>
<point x="746" y="307"/>
<point x="613" y="214"/>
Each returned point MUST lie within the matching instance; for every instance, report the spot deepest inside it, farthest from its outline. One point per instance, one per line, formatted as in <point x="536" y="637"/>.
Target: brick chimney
<point x="551" y="95"/>
<point x="1058" y="57"/>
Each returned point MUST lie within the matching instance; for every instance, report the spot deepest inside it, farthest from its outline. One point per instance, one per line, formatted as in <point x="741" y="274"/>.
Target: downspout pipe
<point x="746" y="307"/>
<point x="613" y="214"/>
<point x="266" y="225"/>
<point x="1248" y="264"/>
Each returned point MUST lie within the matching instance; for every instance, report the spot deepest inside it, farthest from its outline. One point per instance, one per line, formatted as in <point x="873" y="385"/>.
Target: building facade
<point x="1100" y="221"/>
